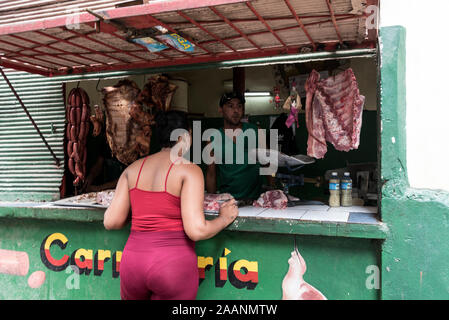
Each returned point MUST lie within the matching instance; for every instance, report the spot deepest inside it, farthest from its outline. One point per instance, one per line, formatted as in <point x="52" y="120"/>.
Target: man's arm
<point x="271" y="181"/>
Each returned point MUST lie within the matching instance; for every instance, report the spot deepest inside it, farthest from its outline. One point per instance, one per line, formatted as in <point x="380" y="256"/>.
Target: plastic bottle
<point x="334" y="189"/>
<point x="346" y="190"/>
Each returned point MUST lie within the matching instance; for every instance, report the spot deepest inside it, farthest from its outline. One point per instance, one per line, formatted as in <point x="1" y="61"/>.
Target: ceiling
<point x="72" y="37"/>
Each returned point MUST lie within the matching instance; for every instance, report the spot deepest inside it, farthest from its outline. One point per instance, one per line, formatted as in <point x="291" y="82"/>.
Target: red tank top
<point x="155" y="210"/>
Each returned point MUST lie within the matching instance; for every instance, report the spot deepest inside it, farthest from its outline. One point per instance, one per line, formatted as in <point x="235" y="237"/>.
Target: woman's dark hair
<point x="168" y="121"/>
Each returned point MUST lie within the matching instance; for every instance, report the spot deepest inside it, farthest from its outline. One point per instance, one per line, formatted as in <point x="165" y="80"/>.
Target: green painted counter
<point x="249" y="224"/>
<point x="247" y="261"/>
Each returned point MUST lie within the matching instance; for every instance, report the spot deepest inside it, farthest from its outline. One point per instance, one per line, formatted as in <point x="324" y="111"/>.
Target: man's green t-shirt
<point x="236" y="174"/>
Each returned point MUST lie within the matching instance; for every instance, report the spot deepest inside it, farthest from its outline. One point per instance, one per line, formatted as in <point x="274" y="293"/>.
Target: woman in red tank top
<point x="163" y="194"/>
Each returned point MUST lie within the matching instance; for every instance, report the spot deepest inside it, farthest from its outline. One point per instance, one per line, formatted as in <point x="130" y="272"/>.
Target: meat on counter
<point x="105" y="197"/>
<point x="275" y="199"/>
<point x="213" y="201"/>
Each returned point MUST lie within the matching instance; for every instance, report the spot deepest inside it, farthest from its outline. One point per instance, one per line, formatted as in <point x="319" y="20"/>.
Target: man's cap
<point x="226" y="97"/>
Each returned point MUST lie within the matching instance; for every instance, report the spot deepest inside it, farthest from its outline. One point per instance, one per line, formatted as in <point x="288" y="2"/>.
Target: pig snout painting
<point x="293" y="286"/>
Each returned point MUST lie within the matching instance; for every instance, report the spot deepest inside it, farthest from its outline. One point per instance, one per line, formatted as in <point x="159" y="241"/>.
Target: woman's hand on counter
<point x="192" y="207"/>
<point x="229" y="211"/>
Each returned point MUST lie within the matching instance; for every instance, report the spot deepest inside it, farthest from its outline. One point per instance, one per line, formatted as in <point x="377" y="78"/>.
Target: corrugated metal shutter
<point x="27" y="168"/>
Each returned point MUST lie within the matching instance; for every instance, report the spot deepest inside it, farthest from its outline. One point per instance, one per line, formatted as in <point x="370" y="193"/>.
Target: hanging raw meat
<point x="128" y="122"/>
<point x="158" y="92"/>
<point x="77" y="114"/>
<point x="97" y="121"/>
<point x="334" y="109"/>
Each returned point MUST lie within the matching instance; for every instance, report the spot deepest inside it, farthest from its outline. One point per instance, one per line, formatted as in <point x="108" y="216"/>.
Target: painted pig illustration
<point x="293" y="286"/>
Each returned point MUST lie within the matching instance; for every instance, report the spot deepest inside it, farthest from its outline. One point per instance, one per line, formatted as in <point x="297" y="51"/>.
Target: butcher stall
<point x="80" y="87"/>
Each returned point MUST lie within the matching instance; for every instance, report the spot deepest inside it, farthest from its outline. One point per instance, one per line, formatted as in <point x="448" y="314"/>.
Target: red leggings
<point x="159" y="266"/>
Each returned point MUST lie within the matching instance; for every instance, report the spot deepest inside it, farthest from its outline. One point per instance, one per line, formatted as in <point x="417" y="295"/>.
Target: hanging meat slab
<point x="128" y="122"/>
<point x="334" y="109"/>
<point x="77" y="114"/>
<point x="129" y="115"/>
<point x="158" y="92"/>
<point x="97" y="121"/>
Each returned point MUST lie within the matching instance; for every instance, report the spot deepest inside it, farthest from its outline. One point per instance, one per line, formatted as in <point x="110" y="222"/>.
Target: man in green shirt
<point x="232" y="172"/>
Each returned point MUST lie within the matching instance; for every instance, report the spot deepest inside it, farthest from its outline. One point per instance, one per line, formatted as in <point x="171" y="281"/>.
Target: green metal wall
<point x="27" y="168"/>
<point x="415" y="254"/>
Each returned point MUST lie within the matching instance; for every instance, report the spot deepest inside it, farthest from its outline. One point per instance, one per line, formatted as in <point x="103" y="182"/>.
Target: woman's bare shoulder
<point x="189" y="168"/>
<point x="135" y="166"/>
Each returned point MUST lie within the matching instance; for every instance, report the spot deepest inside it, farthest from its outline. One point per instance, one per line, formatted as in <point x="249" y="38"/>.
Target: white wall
<point x="365" y="71"/>
<point x="206" y="87"/>
<point x="427" y="118"/>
